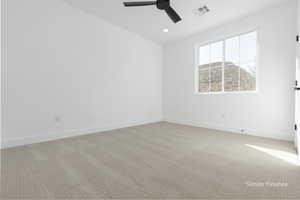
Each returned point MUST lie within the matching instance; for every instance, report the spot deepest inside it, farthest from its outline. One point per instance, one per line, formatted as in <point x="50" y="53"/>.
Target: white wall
<point x="268" y="113"/>
<point x="0" y="75"/>
<point x="71" y="73"/>
<point x="298" y="15"/>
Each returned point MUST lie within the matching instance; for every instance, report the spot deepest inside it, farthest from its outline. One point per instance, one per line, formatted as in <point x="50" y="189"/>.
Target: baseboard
<point x="72" y="133"/>
<point x="277" y="135"/>
<point x="68" y="133"/>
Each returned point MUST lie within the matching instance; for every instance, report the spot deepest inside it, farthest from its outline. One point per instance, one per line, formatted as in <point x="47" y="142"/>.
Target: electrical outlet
<point x="57" y="119"/>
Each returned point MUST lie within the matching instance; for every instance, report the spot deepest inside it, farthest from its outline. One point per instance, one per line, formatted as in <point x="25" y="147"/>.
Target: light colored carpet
<point x="155" y="161"/>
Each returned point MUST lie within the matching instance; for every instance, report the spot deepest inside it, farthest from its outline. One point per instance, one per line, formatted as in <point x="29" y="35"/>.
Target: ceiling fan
<point x="160" y="4"/>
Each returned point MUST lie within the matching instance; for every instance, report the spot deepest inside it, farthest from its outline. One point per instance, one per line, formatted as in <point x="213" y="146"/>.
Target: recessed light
<point x="165" y="30"/>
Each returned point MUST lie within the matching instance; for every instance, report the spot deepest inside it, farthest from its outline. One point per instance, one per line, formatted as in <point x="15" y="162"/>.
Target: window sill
<point x="225" y="93"/>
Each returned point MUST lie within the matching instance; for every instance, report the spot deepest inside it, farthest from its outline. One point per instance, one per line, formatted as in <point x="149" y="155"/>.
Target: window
<point x="228" y="65"/>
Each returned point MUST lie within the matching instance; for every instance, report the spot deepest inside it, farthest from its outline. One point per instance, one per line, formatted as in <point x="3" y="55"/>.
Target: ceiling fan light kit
<point x="160" y="4"/>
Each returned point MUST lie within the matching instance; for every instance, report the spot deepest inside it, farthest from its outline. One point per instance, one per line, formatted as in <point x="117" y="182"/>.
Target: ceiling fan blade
<point x="173" y="15"/>
<point x="139" y="3"/>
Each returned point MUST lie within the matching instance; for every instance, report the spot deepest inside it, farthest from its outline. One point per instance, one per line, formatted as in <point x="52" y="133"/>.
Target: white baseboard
<point x="67" y="133"/>
<point x="277" y="135"/>
<point x="283" y="135"/>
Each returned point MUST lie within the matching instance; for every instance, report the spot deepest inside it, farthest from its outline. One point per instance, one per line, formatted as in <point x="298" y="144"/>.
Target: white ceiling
<point x="149" y="21"/>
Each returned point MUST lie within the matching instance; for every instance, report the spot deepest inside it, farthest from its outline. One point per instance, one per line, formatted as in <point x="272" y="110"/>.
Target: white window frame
<point x="197" y="61"/>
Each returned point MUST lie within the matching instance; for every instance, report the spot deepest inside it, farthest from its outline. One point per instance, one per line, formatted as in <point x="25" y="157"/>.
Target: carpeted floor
<point x="155" y="161"/>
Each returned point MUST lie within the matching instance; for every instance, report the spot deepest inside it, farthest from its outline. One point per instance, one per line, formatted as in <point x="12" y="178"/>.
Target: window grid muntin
<point x="255" y="61"/>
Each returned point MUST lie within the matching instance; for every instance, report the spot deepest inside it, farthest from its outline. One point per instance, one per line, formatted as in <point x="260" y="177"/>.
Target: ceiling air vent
<point x="202" y="10"/>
